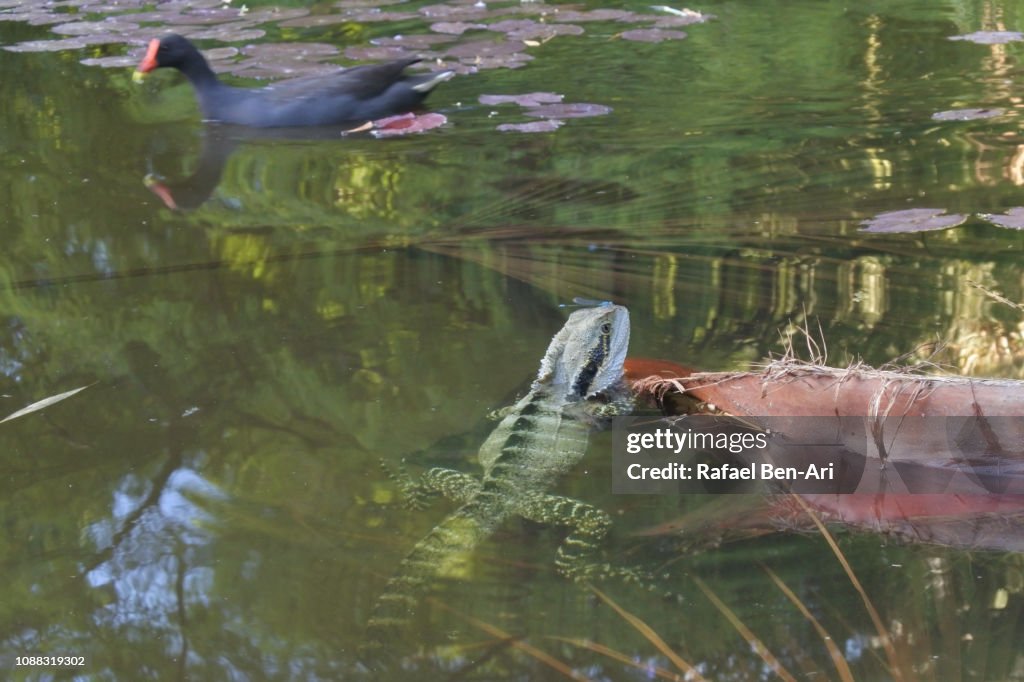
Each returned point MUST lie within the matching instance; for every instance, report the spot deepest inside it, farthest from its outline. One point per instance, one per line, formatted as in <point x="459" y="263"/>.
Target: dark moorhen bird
<point x="356" y="95"/>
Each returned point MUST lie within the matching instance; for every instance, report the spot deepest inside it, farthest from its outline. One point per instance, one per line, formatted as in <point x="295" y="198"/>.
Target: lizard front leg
<point x="449" y="483"/>
<point x="578" y="556"/>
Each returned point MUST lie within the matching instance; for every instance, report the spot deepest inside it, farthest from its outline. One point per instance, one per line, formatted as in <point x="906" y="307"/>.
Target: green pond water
<point x="212" y="507"/>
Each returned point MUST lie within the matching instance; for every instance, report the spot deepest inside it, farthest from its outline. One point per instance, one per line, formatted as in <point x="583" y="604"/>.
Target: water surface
<point x="211" y="507"/>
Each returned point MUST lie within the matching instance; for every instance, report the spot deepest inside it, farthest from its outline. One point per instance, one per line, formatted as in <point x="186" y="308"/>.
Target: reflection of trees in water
<point x="223" y="471"/>
<point x="727" y="296"/>
<point x="273" y="176"/>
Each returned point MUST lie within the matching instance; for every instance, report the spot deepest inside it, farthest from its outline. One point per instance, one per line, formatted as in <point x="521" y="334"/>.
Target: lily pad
<point x="348" y="4"/>
<point x="103" y="7"/>
<point x="296" y="51"/>
<point x="485" y="48"/>
<point x="455" y="28"/>
<point x="574" y="110"/>
<point x="82" y="28"/>
<point x="275" y="70"/>
<point x="545" y="126"/>
<point x="215" y="54"/>
<point x="652" y="35"/>
<point x="527" y="29"/>
<point x="201" y="17"/>
<point x="76" y="43"/>
<point x="275" y="14"/>
<point x="686" y="16"/>
<point x="188" y="5"/>
<point x="514" y="61"/>
<point x="112" y="62"/>
<point x="529" y="99"/>
<point x="675" y="22"/>
<point x="419" y="41"/>
<point x="458" y="67"/>
<point x="1013" y="219"/>
<point x="967" y="114"/>
<point x="455" y="13"/>
<point x="576" y="17"/>
<point x="912" y="220"/>
<point x="316" y="20"/>
<point x="379" y="53"/>
<point x="407" y="124"/>
<point x="34" y="18"/>
<point x="225" y="34"/>
<point x="990" y="37"/>
<point x="151" y="17"/>
<point x="369" y="16"/>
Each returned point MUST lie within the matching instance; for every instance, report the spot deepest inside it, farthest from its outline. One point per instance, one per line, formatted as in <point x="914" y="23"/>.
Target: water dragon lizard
<point x="539" y="438"/>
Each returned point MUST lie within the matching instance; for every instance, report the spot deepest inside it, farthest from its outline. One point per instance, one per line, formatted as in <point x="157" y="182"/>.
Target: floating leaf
<point x="485" y="48"/>
<point x="575" y="110"/>
<point x="990" y="37"/>
<point x="273" y="70"/>
<point x="275" y="14"/>
<point x="455" y="13"/>
<point x="376" y="16"/>
<point x="912" y="220"/>
<point x="199" y="17"/>
<point x="35" y="18"/>
<point x="284" y="60"/>
<point x="529" y="99"/>
<point x="221" y="53"/>
<point x="687" y="16"/>
<point x="49" y="45"/>
<point x="225" y="34"/>
<point x="599" y="15"/>
<point x="407" y="124"/>
<point x="967" y="114"/>
<point x="382" y="53"/>
<point x="193" y="4"/>
<point x="1013" y="219"/>
<point x="316" y="20"/>
<point x="366" y="127"/>
<point x="301" y="51"/>
<point x="345" y="4"/>
<point x="458" y="67"/>
<point x="652" y="35"/>
<point x="514" y="61"/>
<point x="420" y="41"/>
<point x="43" y="404"/>
<point x="455" y="28"/>
<point x="526" y="29"/>
<point x="112" y="62"/>
<point x="545" y="126"/>
<point x="675" y="22"/>
<point x="82" y="28"/>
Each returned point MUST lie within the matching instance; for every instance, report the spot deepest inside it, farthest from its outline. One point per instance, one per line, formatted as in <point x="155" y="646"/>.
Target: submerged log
<point x="790" y="388"/>
<point x="976" y="451"/>
<point x="971" y="522"/>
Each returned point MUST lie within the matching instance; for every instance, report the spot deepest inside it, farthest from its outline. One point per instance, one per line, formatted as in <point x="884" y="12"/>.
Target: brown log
<point x="790" y="389"/>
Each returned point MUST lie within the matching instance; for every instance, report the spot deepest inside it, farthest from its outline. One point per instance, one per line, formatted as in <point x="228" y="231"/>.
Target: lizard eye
<point x="606" y="328"/>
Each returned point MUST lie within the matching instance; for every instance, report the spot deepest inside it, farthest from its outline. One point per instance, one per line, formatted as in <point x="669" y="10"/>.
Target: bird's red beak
<point x="148" y="62"/>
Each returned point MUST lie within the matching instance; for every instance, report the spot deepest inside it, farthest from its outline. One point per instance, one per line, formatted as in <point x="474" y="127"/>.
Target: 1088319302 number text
<point x="54" y="661"/>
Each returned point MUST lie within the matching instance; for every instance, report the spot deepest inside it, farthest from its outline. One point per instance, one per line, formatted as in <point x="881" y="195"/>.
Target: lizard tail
<point x="444" y="552"/>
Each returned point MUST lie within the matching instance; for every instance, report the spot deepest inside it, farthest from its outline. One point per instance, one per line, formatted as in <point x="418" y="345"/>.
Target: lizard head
<point x="586" y="356"/>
